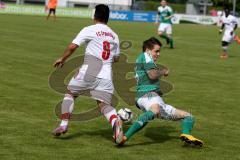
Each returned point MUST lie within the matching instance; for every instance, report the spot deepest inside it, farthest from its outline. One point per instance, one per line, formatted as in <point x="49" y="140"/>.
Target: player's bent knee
<point x="105" y="108"/>
<point x="155" y="108"/>
<point x="69" y="95"/>
<point x="225" y="48"/>
<point x="160" y="33"/>
<point x="180" y="114"/>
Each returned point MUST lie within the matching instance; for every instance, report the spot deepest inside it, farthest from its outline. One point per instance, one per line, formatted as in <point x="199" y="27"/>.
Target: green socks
<point x="187" y="124"/>
<point x="164" y="37"/>
<point x="140" y="123"/>
<point x="171" y="42"/>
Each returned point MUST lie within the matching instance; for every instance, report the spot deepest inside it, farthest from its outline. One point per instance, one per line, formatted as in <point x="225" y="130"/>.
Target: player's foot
<point x="60" y="130"/>
<point x="124" y="139"/>
<point x="224" y="56"/>
<point x="118" y="131"/>
<point x="191" y="140"/>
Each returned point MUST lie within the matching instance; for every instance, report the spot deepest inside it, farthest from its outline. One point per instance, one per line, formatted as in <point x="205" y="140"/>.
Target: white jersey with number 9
<point x="102" y="43"/>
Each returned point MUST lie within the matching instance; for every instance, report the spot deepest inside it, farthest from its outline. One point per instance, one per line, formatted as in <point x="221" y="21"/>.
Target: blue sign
<point x="133" y="16"/>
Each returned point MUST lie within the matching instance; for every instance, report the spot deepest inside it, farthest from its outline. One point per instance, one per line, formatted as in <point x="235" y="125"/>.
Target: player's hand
<point x="58" y="63"/>
<point x="166" y="72"/>
<point x="220" y="31"/>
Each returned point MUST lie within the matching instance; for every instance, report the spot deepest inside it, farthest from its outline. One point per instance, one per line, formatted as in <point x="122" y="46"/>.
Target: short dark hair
<point x="149" y="43"/>
<point x="101" y="13"/>
<point x="226" y="8"/>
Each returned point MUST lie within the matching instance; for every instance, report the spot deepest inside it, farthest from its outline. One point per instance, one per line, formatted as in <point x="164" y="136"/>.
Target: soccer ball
<point x="126" y="115"/>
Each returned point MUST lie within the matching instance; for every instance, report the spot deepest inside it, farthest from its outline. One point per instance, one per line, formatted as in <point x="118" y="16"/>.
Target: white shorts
<point x="165" y="27"/>
<point x="227" y="37"/>
<point x="99" y="84"/>
<point x="166" y="111"/>
<point x="100" y="89"/>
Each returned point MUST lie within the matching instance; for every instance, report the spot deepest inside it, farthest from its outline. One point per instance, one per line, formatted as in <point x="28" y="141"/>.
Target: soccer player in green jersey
<point x="165" y="14"/>
<point x="148" y="97"/>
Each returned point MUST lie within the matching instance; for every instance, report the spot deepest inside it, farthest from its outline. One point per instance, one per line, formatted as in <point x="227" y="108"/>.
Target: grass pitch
<point x="203" y="83"/>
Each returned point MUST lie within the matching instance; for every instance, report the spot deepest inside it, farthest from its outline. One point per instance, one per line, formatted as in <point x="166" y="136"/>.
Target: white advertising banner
<point x="206" y="20"/>
<point x="131" y="16"/>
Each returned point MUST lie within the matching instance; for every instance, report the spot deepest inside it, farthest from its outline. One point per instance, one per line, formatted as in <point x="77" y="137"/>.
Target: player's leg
<point x="226" y="40"/>
<point x="54" y="14"/>
<point x="142" y="121"/>
<point x="169" y="35"/>
<point x="102" y="92"/>
<point x="169" y="112"/>
<point x="49" y="13"/>
<point x="225" y="49"/>
<point x="66" y="111"/>
<point x="161" y="32"/>
<point x="187" y="125"/>
<point x="110" y="114"/>
<point x="75" y="87"/>
<point x="150" y="104"/>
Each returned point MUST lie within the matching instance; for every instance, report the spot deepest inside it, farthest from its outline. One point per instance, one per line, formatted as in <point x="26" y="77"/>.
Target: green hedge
<point x="152" y="6"/>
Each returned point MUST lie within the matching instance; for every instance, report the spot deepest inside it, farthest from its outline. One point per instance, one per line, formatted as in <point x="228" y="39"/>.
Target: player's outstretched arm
<point x="67" y="53"/>
<point x="221" y="30"/>
<point x="235" y="27"/>
<point x="157" y="73"/>
<point x="169" y="17"/>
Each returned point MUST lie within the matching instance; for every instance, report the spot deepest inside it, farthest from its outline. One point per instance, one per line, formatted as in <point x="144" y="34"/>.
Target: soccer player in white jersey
<point x="229" y="24"/>
<point x="95" y="74"/>
<point x="165" y="14"/>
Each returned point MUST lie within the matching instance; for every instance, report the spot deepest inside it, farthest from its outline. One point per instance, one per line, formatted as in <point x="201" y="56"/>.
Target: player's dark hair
<point x="226" y="8"/>
<point x="101" y="13"/>
<point x="149" y="43"/>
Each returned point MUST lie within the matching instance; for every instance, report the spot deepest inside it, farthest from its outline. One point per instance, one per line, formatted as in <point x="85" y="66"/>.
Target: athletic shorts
<point x="165" y="27"/>
<point x="100" y="89"/>
<point x="227" y="37"/>
<point x="52" y="10"/>
<point x="166" y="111"/>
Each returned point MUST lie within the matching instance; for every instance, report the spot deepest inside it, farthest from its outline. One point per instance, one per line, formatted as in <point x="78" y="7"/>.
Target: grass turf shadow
<point x="105" y="133"/>
<point x="156" y="134"/>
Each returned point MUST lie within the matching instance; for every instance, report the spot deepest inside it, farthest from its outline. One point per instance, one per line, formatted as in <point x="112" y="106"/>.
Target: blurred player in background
<point x="149" y="99"/>
<point x="52" y="6"/>
<point x="165" y="14"/>
<point x="237" y="39"/>
<point x="229" y="24"/>
<point x="102" y="49"/>
<point x="2" y="5"/>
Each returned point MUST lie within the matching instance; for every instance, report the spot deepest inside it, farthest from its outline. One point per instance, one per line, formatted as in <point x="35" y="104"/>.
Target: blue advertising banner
<point x="133" y="16"/>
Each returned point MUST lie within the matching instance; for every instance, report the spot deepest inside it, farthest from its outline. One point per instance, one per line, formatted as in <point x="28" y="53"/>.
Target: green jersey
<point x="144" y="63"/>
<point x="164" y="12"/>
